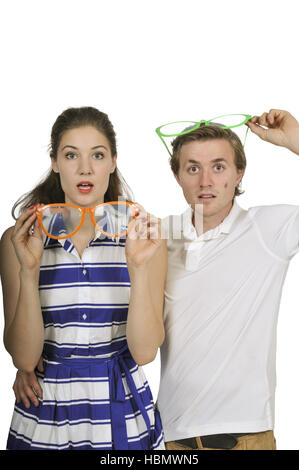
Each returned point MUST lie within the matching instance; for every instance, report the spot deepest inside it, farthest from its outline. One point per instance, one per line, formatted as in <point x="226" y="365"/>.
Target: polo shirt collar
<point x="189" y="231"/>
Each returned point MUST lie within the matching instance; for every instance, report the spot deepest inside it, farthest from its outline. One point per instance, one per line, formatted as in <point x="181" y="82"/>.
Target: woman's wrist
<point x="29" y="275"/>
<point x="137" y="272"/>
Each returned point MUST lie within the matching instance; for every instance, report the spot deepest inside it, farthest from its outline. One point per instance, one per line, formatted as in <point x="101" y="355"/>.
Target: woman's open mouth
<point x="84" y="187"/>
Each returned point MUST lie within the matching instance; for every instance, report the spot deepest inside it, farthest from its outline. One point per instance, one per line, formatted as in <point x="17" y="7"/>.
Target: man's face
<point x="208" y="176"/>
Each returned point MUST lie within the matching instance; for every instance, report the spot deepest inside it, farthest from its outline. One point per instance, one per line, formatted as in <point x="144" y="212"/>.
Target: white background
<point x="146" y="63"/>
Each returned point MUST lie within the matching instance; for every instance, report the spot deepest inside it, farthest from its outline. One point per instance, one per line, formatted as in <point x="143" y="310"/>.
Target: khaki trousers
<point x="259" y="441"/>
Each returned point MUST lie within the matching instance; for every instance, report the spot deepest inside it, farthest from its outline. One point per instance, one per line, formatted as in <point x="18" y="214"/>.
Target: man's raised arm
<point x="277" y="127"/>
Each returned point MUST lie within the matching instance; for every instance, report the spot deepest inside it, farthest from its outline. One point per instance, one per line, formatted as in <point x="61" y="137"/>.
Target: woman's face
<point x="84" y="163"/>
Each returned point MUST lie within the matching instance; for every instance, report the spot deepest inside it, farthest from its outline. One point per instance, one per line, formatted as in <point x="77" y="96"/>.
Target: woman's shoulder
<point x="8" y="258"/>
<point x="6" y="235"/>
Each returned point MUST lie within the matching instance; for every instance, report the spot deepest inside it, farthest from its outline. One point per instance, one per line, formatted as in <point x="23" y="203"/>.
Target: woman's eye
<point x="70" y="156"/>
<point x="98" y="156"/>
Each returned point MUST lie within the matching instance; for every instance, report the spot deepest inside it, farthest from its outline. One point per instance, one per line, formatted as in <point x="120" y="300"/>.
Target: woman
<point x="90" y="303"/>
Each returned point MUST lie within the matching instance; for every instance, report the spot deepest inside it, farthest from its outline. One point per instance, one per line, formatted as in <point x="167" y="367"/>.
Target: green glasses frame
<point x="196" y="125"/>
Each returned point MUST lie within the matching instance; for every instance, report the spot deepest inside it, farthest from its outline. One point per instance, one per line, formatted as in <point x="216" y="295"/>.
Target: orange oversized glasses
<point x="113" y="219"/>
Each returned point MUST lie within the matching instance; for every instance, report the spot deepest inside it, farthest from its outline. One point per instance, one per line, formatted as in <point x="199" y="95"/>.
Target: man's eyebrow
<point x="215" y="160"/>
<point x="92" y="148"/>
<point x="221" y="159"/>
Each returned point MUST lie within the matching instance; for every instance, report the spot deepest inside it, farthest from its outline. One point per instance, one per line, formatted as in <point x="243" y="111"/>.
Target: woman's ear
<point x="113" y="163"/>
<point x="54" y="165"/>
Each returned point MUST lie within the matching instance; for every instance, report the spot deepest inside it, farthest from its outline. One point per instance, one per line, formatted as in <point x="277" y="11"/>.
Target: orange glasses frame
<point x="83" y="210"/>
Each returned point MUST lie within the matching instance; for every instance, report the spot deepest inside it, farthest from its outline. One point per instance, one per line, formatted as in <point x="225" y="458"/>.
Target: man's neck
<point x="203" y="223"/>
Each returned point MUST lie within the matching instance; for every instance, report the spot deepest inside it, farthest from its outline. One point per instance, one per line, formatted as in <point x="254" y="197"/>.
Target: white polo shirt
<point x="222" y="298"/>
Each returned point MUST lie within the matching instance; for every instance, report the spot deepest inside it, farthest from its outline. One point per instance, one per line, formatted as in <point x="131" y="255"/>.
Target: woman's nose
<point x="85" y="167"/>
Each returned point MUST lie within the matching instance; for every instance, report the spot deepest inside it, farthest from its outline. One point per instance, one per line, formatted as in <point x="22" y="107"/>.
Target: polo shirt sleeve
<point x="278" y="227"/>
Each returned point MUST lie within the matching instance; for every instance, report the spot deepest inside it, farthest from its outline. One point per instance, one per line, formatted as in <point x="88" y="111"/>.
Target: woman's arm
<point x="145" y="329"/>
<point x="20" y="257"/>
<point x="147" y="266"/>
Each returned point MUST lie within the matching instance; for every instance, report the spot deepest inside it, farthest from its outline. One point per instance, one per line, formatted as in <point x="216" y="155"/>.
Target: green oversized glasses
<point x="228" y="121"/>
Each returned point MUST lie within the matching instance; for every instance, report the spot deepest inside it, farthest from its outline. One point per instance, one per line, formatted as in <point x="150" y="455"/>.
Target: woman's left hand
<point x="144" y="238"/>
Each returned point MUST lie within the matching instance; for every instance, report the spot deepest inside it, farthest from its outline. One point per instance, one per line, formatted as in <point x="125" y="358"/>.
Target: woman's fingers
<point x="23" y="224"/>
<point x="148" y="227"/>
<point x="20" y="220"/>
<point x="37" y="230"/>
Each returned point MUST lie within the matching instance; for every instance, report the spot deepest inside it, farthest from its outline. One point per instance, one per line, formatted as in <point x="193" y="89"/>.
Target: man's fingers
<point x="270" y="118"/>
<point x="258" y="130"/>
<point x="272" y="115"/>
<point x="37" y="389"/>
<point x="17" y="395"/>
<point x="262" y="121"/>
<point x="27" y="389"/>
<point x="31" y="395"/>
<point x="40" y="365"/>
<point x="253" y="120"/>
<point x="24" y="399"/>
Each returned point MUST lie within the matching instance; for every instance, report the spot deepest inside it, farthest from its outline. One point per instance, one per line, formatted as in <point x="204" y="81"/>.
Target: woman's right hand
<point x="28" y="246"/>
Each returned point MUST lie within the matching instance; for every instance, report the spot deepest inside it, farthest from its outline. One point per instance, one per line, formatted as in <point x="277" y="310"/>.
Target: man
<point x="223" y="288"/>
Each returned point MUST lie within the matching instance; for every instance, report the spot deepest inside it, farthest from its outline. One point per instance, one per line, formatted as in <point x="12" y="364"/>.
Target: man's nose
<point x="206" y="178"/>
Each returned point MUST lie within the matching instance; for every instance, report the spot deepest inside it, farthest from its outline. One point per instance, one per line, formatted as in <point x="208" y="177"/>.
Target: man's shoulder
<point x="273" y="217"/>
<point x="273" y="209"/>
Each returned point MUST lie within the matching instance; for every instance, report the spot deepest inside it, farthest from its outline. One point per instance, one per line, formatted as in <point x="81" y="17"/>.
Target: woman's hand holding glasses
<point x="28" y="241"/>
<point x="144" y="238"/>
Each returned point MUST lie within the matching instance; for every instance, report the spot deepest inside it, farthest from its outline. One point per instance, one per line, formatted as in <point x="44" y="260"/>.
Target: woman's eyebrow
<point x="97" y="146"/>
<point x="76" y="148"/>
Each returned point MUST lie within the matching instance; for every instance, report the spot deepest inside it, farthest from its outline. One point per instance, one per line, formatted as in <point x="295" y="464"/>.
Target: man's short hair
<point x="204" y="133"/>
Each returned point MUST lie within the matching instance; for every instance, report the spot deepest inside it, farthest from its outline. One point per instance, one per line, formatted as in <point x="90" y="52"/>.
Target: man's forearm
<point x="293" y="145"/>
<point x="24" y="337"/>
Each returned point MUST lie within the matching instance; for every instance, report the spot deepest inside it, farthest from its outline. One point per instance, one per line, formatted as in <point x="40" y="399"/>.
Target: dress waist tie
<point x="116" y="366"/>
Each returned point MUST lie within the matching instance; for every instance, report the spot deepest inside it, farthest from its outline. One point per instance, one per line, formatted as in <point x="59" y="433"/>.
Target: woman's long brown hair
<point x="49" y="190"/>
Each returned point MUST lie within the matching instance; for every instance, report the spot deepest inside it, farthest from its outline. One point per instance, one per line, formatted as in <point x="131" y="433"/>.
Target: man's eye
<point x="219" y="167"/>
<point x="193" y="169"/>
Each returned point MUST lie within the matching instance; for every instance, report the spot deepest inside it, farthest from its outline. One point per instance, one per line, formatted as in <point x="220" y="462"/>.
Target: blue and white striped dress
<point x="95" y="396"/>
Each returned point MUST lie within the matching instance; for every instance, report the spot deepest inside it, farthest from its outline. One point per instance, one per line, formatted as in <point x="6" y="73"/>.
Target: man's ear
<point x="54" y="165"/>
<point x="240" y="176"/>
<point x="177" y="179"/>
